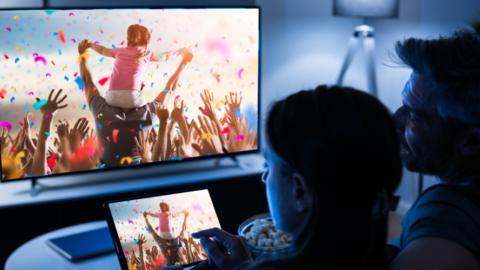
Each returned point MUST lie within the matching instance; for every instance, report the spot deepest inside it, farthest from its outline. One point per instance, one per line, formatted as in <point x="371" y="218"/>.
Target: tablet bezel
<point x="113" y="231"/>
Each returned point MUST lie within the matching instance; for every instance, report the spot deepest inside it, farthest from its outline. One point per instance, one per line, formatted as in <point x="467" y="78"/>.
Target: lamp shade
<point x="366" y="8"/>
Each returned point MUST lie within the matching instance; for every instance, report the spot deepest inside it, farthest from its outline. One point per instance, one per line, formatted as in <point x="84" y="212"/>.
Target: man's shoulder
<point x="453" y="194"/>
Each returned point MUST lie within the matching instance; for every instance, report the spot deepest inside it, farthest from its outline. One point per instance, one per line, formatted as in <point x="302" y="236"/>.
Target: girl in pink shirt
<point x="164" y="217"/>
<point x="130" y="63"/>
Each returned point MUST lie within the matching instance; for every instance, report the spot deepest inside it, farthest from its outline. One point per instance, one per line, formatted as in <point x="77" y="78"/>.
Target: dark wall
<point x="236" y="200"/>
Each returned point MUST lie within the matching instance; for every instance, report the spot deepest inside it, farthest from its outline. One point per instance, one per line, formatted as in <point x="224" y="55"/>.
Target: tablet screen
<point x="156" y="231"/>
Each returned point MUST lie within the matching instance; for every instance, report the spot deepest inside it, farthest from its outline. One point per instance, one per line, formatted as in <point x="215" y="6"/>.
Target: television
<point x="85" y="90"/>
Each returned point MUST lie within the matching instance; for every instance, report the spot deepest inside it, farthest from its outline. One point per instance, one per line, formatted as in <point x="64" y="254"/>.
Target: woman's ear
<point x="302" y="193"/>
<point x="470" y="144"/>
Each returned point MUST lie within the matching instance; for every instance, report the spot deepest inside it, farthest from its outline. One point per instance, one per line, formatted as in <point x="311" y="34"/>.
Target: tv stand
<point x="36" y="187"/>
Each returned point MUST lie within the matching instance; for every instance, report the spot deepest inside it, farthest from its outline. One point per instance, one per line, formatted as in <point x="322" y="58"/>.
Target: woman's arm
<point x="100" y="49"/>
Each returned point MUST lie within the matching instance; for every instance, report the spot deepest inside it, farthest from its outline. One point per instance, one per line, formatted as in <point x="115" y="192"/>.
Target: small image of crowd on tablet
<point x="156" y="232"/>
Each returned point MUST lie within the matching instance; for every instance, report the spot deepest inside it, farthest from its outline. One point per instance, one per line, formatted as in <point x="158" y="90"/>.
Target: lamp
<point x="365" y="9"/>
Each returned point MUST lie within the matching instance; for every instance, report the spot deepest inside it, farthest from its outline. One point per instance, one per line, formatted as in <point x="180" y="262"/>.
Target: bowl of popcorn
<point x="263" y="238"/>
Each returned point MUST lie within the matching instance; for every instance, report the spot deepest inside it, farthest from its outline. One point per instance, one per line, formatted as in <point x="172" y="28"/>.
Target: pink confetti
<point x="210" y="218"/>
<point x="239" y="137"/>
<point x="165" y="74"/>
<point x="71" y="14"/>
<point x="177" y="96"/>
<point x="30" y="93"/>
<point x="251" y="84"/>
<point x="48" y="115"/>
<point x="159" y="39"/>
<point x="96" y="42"/>
<point x="240" y="73"/>
<point x="48" y="74"/>
<point x="6" y="124"/>
<point x="73" y="40"/>
<point x="35" y="54"/>
<point x="129" y="221"/>
<point x="41" y="58"/>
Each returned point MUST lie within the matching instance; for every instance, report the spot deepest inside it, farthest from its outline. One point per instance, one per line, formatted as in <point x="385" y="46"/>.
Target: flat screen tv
<point x="100" y="89"/>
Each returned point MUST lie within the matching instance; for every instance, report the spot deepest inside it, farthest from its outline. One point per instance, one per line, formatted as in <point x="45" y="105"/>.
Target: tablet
<point x="155" y="230"/>
<point x="83" y="245"/>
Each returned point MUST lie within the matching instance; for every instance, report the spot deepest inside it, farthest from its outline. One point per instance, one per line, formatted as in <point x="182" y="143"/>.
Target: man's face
<point x="425" y="140"/>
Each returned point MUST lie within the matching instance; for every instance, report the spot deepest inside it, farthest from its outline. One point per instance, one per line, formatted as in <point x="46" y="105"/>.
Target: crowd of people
<point x="123" y="136"/>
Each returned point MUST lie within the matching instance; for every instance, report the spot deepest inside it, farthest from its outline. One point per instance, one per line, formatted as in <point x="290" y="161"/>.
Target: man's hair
<point x="452" y="66"/>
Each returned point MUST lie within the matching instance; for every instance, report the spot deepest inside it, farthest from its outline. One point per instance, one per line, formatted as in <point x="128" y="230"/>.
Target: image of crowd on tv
<point x="202" y="103"/>
<point x="156" y="232"/>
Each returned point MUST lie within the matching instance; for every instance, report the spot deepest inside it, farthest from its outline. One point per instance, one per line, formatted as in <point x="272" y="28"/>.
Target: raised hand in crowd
<point x="144" y="146"/>
<point x="210" y="140"/>
<point x="78" y="132"/>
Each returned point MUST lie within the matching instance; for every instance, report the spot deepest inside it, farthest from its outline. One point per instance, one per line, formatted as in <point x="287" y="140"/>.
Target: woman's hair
<point x="164" y="207"/>
<point x="343" y="141"/>
<point x="138" y="36"/>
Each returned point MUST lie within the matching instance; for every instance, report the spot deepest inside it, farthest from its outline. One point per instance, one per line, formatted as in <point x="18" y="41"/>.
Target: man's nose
<point x="399" y="118"/>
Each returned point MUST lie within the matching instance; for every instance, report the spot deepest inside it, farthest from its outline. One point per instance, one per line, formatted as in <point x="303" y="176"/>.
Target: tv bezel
<point x="158" y="163"/>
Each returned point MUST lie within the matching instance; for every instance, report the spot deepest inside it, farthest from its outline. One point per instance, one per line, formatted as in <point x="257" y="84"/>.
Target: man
<point x="439" y="134"/>
<point x="117" y="127"/>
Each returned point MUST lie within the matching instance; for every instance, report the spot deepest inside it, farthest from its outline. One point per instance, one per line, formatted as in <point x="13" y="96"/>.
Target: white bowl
<point x="258" y="251"/>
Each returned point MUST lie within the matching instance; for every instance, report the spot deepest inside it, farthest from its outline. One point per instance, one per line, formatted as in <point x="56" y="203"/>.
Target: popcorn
<point x="264" y="234"/>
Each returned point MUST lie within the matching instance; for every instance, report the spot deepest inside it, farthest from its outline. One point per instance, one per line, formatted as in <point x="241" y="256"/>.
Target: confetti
<point x="41" y="58"/>
<point x="6" y="124"/>
<point x="128" y="159"/>
<point x="17" y="59"/>
<point x="31" y="124"/>
<point x="112" y="36"/>
<point x="239" y="137"/>
<point x="79" y="82"/>
<point x="101" y="114"/>
<point x="240" y="73"/>
<point x="53" y="63"/>
<point x="166" y="90"/>
<point x="225" y="130"/>
<point x="237" y="113"/>
<point x="75" y="75"/>
<point x="216" y="76"/>
<point x="12" y="99"/>
<point x="113" y="46"/>
<point x="61" y="35"/>
<point x="13" y="150"/>
<point x="159" y="39"/>
<point x="83" y="55"/>
<point x="151" y="85"/>
<point x="16" y="17"/>
<point x="48" y="115"/>
<point x="40" y="104"/>
<point x="66" y="78"/>
<point x="6" y="56"/>
<point x="51" y="160"/>
<point x="101" y="59"/>
<point x="59" y="52"/>
<point x="115" y="134"/>
<point x="121" y="43"/>
<point x="48" y="134"/>
<point x="103" y="81"/>
<point x="99" y="125"/>
<point x="71" y="14"/>
<point x="73" y="40"/>
<point x="189" y="86"/>
<point x="84" y="106"/>
<point x="63" y="69"/>
<point x="8" y="28"/>
<point x="251" y="84"/>
<point x="206" y="135"/>
<point x="14" y="89"/>
<point x="165" y="74"/>
<point x="48" y="74"/>
<point x="101" y="31"/>
<point x="108" y="124"/>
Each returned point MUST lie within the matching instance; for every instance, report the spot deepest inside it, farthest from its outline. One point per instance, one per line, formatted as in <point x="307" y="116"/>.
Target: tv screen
<point x="97" y="89"/>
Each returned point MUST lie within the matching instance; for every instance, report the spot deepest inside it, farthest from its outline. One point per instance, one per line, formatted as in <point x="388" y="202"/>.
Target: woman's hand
<point x="210" y="140"/>
<point x="162" y="113"/>
<point x="226" y="250"/>
<point x="233" y="105"/>
<point x="77" y="134"/>
<point x="178" y="112"/>
<point x="209" y="104"/>
<point x="52" y="106"/>
<point x="185" y="148"/>
<point x="144" y="146"/>
<point x="4" y="139"/>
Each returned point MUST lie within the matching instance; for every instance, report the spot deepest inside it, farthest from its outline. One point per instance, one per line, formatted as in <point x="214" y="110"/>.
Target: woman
<point x="333" y="165"/>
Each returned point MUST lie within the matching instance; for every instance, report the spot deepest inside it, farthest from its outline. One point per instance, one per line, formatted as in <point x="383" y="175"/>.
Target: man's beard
<point x="431" y="161"/>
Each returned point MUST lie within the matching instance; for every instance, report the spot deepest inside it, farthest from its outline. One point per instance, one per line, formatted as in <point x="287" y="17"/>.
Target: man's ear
<point x="302" y="193"/>
<point x="470" y="144"/>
